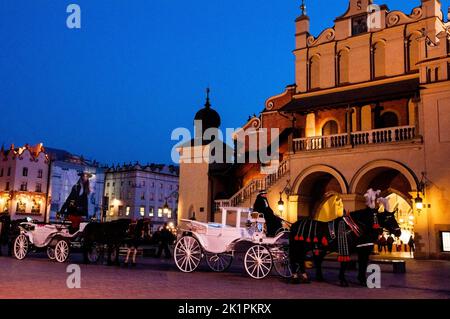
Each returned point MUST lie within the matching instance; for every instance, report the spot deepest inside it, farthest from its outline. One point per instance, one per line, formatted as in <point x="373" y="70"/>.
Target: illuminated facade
<point x="138" y="191"/>
<point x="24" y="181"/>
<point x="370" y="107"/>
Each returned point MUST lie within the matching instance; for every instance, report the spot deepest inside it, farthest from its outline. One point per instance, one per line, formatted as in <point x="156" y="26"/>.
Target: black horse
<point x="112" y="234"/>
<point x="356" y="232"/>
<point x="5" y="224"/>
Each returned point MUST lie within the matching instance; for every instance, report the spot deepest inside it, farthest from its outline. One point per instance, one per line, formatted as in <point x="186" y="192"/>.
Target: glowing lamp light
<point x="166" y="208"/>
<point x="402" y="221"/>
<point x="411" y="217"/>
<point x="281" y="205"/>
<point x="419" y="202"/>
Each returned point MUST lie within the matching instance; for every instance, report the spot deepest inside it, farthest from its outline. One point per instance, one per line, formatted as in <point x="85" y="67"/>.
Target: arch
<point x="320" y="169"/>
<point x="330" y="127"/>
<point x="314" y="72"/>
<point x="379" y="59"/>
<point x="360" y="179"/>
<point x="344" y="66"/>
<point x="413" y="50"/>
<point x="389" y="118"/>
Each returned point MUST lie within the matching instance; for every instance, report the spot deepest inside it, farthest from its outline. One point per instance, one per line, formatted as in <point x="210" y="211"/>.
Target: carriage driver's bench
<point x="398" y="266"/>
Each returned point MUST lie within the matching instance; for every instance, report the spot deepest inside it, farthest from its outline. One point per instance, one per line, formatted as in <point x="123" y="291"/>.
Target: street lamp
<point x="419" y="202"/>
<point x="166" y="208"/>
<point x="281" y="203"/>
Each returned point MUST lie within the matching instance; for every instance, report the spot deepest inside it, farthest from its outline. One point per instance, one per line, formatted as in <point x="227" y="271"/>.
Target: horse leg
<point x="134" y="256"/>
<point x="342" y="280"/>
<point x="363" y="262"/>
<point x="318" y="260"/>
<point x="127" y="258"/>
<point x="109" y="261"/>
<point x="86" y="248"/>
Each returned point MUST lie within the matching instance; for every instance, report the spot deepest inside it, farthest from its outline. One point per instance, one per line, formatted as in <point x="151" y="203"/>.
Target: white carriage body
<point x="220" y="238"/>
<point x="41" y="235"/>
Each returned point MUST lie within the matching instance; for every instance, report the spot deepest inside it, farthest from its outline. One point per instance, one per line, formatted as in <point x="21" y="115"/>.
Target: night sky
<point x="114" y="90"/>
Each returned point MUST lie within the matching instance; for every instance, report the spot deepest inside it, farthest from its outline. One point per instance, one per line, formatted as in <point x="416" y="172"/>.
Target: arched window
<point x="379" y="60"/>
<point x="389" y="119"/>
<point x="314" y="72"/>
<point x="413" y="51"/>
<point x="343" y="66"/>
<point x="330" y="128"/>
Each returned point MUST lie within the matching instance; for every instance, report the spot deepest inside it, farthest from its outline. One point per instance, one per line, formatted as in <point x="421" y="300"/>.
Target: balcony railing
<point x="379" y="136"/>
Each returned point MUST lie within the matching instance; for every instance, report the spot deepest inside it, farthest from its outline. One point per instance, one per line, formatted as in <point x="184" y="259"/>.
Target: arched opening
<point x="343" y="67"/>
<point x="389" y="119"/>
<point x="413" y="51"/>
<point x="319" y="192"/>
<point x="379" y="59"/>
<point x="314" y="72"/>
<point x="330" y="128"/>
<point x="396" y="183"/>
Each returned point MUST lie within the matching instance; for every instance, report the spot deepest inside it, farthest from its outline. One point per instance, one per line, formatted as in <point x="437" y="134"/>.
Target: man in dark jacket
<point x="273" y="222"/>
<point x="165" y="238"/>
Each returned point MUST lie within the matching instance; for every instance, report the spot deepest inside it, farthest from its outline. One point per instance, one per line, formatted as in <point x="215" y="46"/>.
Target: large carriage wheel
<point x="258" y="262"/>
<point x="280" y="257"/>
<point x="21" y="247"/>
<point x="219" y="262"/>
<point x="188" y="254"/>
<point x="51" y="253"/>
<point x="61" y="251"/>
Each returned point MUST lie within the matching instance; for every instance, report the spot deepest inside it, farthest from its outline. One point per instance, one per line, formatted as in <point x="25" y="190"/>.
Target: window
<point x="379" y="59"/>
<point x="7" y="186"/>
<point x="24" y="187"/>
<point x="108" y="184"/>
<point x="343" y="69"/>
<point x="114" y="184"/>
<point x="152" y="196"/>
<point x="151" y="212"/>
<point x="38" y="188"/>
<point x="445" y="237"/>
<point x="160" y="197"/>
<point x="330" y="128"/>
<point x="389" y="119"/>
<point x="143" y="183"/>
<point x="143" y="196"/>
<point x="359" y="25"/>
<point x="21" y="207"/>
<point x="25" y="171"/>
<point x="111" y="210"/>
<point x="120" y="211"/>
<point x="169" y="214"/>
<point x="40" y="173"/>
<point x="413" y="51"/>
<point x="36" y="207"/>
<point x="127" y="212"/>
<point x="160" y="212"/>
<point x="153" y="184"/>
<point x="171" y="187"/>
<point x="314" y="72"/>
<point x="142" y="211"/>
<point x="9" y="171"/>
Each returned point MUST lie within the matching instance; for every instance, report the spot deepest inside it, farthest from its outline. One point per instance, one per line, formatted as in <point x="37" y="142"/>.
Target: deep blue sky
<point x="137" y="69"/>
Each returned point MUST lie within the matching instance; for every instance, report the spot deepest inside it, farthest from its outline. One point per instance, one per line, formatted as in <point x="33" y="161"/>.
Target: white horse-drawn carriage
<point x="55" y="238"/>
<point x="218" y="243"/>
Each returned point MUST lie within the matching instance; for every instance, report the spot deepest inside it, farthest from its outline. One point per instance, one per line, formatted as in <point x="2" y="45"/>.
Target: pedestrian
<point x="390" y="243"/>
<point x="411" y="245"/>
<point x="165" y="238"/>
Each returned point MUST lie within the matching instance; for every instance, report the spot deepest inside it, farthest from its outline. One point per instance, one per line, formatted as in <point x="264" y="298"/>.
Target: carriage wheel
<point x="281" y="262"/>
<point x="258" y="262"/>
<point x="21" y="247"/>
<point x="188" y="254"/>
<point x="61" y="251"/>
<point x="219" y="262"/>
<point x="51" y="253"/>
<point x="93" y="254"/>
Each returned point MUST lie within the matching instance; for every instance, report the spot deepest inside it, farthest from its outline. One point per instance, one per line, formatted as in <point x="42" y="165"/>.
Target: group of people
<point x="388" y="243"/>
<point x="139" y="233"/>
